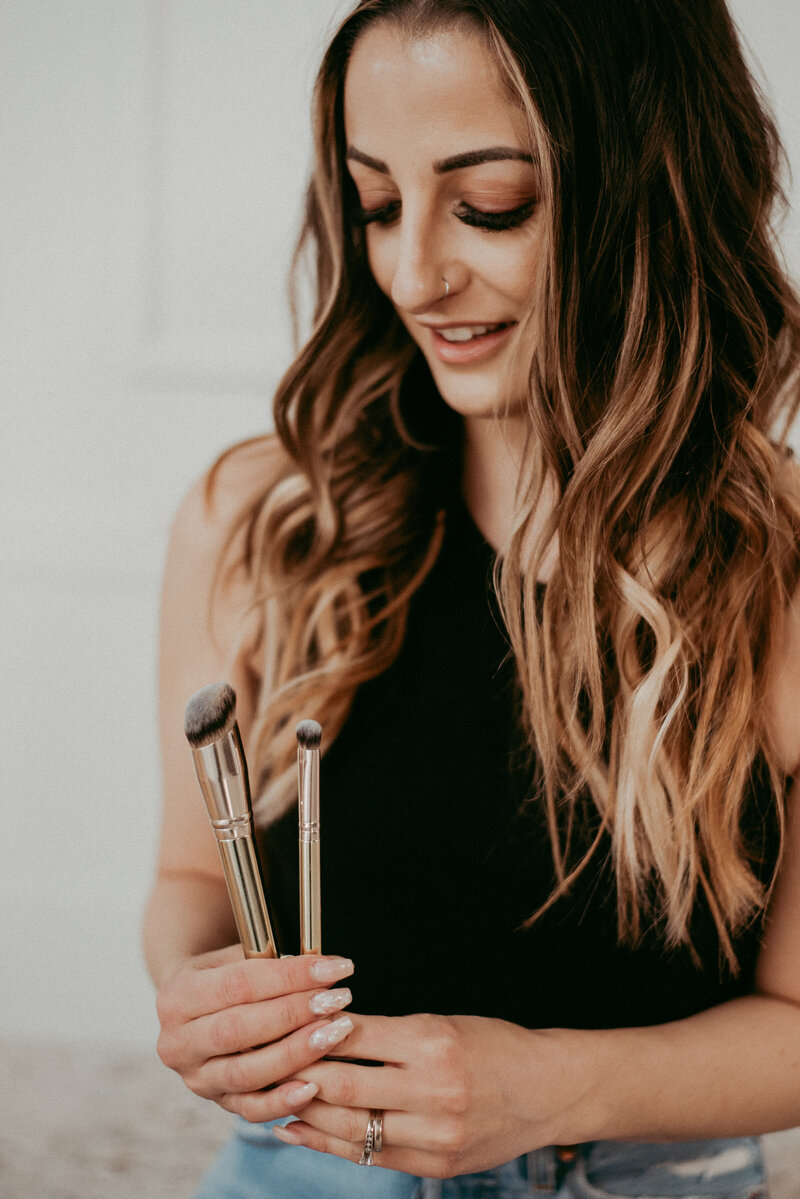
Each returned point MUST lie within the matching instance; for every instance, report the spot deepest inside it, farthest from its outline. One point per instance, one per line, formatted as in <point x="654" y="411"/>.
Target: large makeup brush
<point x="221" y="769"/>
<point x="309" y="736"/>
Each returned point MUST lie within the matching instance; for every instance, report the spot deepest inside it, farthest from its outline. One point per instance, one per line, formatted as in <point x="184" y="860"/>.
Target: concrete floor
<point x="85" y="1122"/>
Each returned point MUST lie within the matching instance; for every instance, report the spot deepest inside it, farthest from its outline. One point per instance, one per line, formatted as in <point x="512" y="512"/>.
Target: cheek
<point x="512" y="268"/>
<point x="380" y="262"/>
<point x="528" y="262"/>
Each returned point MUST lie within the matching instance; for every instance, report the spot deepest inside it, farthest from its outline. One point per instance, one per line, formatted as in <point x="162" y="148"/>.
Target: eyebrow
<point x="457" y="162"/>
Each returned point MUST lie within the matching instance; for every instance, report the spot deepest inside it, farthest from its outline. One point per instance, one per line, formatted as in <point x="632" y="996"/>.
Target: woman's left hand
<point x="458" y="1094"/>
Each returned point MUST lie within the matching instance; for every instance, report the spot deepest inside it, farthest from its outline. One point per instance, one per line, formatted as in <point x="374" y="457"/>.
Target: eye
<point x="512" y="218"/>
<point x="368" y="216"/>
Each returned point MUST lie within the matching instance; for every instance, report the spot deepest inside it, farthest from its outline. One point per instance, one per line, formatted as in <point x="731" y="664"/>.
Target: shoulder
<point x="783" y="692"/>
<point x="206" y="572"/>
<point x="218" y="502"/>
<point x="207" y="630"/>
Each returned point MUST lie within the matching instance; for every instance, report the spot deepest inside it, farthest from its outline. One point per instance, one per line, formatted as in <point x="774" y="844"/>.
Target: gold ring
<point x="378" y="1138"/>
<point x="373" y="1139"/>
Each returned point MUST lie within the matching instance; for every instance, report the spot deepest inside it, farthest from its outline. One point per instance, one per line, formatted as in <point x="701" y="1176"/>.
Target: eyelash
<point x="494" y="222"/>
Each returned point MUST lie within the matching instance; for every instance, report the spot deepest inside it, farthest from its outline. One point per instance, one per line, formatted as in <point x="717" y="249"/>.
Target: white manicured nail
<point x="325" y="1002"/>
<point x="285" y="1132"/>
<point x="302" y="1093"/>
<point x="331" y="1033"/>
<point x="329" y="970"/>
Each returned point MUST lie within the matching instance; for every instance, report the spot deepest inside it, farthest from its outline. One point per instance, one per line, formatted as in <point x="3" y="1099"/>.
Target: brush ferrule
<point x="222" y="774"/>
<point x="308" y="789"/>
<point x="233" y="830"/>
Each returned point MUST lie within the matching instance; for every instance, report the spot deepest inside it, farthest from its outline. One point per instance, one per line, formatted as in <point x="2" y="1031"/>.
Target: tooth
<point x="465" y="333"/>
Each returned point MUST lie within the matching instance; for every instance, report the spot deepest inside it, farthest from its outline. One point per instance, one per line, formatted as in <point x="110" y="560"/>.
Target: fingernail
<point x="302" y="1093"/>
<point x="331" y="1034"/>
<point x="286" y="1133"/>
<point x="328" y="970"/>
<point x="325" y="1002"/>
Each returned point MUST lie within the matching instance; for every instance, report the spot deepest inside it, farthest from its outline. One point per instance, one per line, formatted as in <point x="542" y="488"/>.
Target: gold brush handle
<point x="246" y="892"/>
<point x="310" y="906"/>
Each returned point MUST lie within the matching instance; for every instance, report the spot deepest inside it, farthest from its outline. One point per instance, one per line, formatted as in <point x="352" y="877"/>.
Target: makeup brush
<point x="309" y="736"/>
<point x="219" y="762"/>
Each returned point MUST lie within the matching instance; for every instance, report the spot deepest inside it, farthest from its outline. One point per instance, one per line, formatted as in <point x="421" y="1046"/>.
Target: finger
<point x="211" y="988"/>
<point x="400" y="1129"/>
<point x="380" y="1039"/>
<point x="260" y="1106"/>
<point x="411" y="1161"/>
<point x="243" y="1072"/>
<point x="238" y="1029"/>
<point x="343" y="1084"/>
<point x="219" y="957"/>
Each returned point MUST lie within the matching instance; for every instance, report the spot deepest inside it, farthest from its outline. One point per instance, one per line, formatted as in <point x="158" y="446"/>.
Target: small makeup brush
<point x="219" y="762"/>
<point x="309" y="736"/>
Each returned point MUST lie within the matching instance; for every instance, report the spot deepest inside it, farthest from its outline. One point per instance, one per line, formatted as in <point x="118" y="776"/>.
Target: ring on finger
<point x="373" y="1139"/>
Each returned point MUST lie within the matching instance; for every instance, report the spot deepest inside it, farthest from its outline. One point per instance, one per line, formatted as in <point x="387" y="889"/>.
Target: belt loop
<point x="566" y="1155"/>
<point x="542" y="1169"/>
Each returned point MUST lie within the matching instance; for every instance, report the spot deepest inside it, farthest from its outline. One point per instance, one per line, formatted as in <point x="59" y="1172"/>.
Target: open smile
<point x="458" y="344"/>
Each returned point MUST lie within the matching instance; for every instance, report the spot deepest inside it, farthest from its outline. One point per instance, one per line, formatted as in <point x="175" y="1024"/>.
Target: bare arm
<point x="187" y="914"/>
<point x="189" y="911"/>
<point x="733" y="1070"/>
<point x="236" y="1031"/>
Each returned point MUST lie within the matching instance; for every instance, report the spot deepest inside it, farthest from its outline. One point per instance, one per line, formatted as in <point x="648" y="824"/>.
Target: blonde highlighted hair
<point x="661" y="378"/>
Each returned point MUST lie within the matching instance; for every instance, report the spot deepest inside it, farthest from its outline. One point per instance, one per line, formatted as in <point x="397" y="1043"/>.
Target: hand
<point x="232" y="1027"/>
<point x="458" y="1093"/>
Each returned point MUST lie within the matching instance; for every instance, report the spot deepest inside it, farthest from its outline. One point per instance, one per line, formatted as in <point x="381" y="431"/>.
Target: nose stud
<point x="446" y="288"/>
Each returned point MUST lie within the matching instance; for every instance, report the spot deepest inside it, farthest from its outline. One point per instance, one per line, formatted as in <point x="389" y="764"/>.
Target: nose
<point x="418" y="278"/>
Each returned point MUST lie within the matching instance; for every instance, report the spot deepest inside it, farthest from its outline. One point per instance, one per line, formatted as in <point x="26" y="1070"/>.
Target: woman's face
<point x="448" y="191"/>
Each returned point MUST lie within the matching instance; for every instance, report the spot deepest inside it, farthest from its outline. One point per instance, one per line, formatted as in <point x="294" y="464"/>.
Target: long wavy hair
<point x="660" y="367"/>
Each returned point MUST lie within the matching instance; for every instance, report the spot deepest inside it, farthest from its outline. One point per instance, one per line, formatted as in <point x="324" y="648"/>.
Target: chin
<point x="475" y="399"/>
<point x="467" y="396"/>
<point x="474" y="392"/>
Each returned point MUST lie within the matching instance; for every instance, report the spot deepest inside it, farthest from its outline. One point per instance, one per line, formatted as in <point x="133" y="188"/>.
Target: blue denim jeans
<point x="256" y="1165"/>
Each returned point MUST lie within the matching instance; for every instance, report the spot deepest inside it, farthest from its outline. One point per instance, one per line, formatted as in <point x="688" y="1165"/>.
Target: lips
<point x="462" y="333"/>
<point x="458" y="344"/>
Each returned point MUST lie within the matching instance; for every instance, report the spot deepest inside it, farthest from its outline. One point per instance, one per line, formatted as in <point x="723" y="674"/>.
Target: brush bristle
<point x="309" y="734"/>
<point x="210" y="714"/>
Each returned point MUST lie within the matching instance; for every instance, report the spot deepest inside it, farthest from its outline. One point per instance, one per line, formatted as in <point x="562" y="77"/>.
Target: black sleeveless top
<point x="431" y="863"/>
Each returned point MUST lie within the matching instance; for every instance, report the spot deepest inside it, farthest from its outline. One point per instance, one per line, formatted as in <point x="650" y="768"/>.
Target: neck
<point x="493" y="451"/>
<point x="492" y="457"/>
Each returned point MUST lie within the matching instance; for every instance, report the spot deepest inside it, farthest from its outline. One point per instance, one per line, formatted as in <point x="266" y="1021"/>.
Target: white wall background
<point x="153" y="158"/>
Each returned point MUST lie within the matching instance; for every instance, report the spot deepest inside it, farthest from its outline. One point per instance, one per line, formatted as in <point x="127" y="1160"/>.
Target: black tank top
<point x="431" y="862"/>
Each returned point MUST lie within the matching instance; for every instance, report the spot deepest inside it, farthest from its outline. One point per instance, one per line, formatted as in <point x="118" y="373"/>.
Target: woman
<point x="526" y="546"/>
